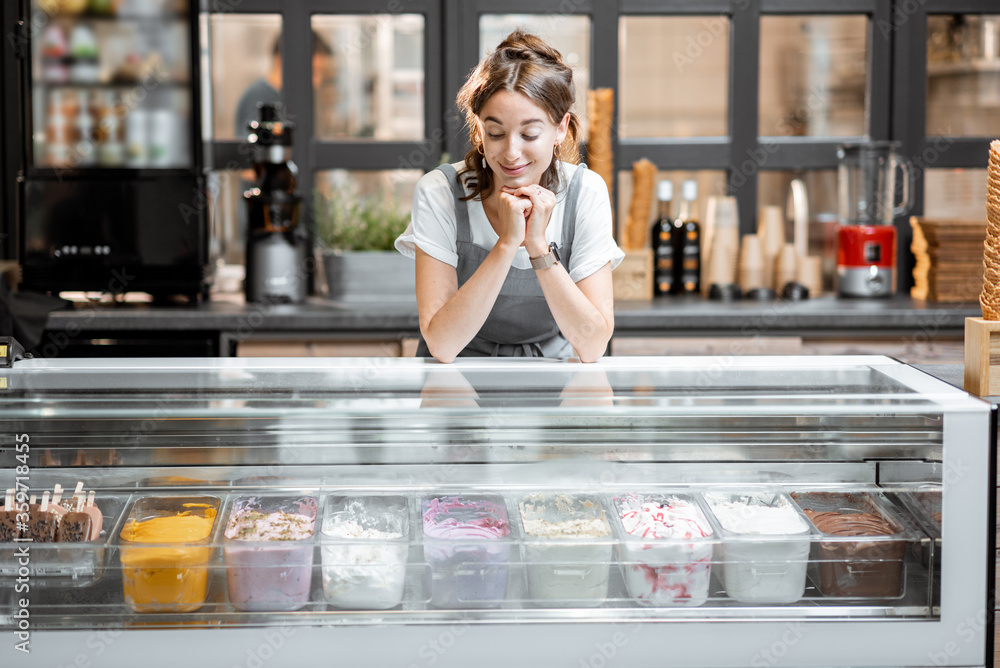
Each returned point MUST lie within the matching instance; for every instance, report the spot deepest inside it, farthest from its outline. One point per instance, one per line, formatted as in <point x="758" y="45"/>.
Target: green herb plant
<point x="346" y="221"/>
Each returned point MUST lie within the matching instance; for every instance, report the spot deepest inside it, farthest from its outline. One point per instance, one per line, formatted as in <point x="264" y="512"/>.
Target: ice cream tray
<point x="64" y="564"/>
<point x="444" y="549"/>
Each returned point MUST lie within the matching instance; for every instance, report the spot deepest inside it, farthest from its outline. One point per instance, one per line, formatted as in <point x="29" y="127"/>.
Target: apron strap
<point x="533" y="349"/>
<point x="572" y="195"/>
<point x="463" y="232"/>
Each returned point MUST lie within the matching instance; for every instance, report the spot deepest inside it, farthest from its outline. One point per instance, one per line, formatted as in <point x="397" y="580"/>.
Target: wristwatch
<point x="547" y="260"/>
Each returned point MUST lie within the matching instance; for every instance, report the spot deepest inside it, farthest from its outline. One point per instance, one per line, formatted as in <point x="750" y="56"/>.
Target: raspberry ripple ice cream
<point x="765" y="546"/>
<point x="667" y="552"/>
<point x="269" y="554"/>
<point x="466" y="549"/>
<point x="566" y="548"/>
<point x="365" y="548"/>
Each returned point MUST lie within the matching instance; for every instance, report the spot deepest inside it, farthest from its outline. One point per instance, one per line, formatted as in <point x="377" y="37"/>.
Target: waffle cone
<point x="989" y="299"/>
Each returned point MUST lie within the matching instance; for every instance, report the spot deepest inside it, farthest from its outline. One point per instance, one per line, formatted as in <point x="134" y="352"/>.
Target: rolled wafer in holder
<point x="982" y="374"/>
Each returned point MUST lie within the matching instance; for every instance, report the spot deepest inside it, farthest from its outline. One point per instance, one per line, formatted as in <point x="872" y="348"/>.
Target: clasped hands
<point x="524" y="214"/>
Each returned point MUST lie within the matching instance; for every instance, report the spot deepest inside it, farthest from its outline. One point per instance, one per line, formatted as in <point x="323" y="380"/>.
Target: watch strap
<point x="547" y="260"/>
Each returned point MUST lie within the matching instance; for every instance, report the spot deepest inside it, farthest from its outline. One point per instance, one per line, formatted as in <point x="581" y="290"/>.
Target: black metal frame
<point x="896" y="90"/>
<point x="742" y="143"/>
<point x="909" y="100"/>
<point x="11" y="135"/>
<point x="312" y="154"/>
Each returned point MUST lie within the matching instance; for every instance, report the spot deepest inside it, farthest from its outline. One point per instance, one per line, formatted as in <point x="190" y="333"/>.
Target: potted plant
<point x="356" y="235"/>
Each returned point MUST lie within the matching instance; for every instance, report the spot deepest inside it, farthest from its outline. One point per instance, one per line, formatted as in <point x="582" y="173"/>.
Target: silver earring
<point x="483" y="160"/>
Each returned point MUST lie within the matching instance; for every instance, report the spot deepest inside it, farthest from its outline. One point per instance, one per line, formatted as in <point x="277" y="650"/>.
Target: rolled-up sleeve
<point x="432" y="222"/>
<point x="593" y="243"/>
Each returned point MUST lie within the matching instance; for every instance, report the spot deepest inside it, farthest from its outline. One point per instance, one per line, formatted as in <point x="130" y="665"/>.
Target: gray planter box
<point x="369" y="274"/>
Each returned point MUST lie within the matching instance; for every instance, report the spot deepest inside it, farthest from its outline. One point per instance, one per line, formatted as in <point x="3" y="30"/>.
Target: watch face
<point x="555" y="252"/>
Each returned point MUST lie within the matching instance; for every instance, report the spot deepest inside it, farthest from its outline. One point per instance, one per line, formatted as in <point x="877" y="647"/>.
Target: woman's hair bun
<point x="520" y="45"/>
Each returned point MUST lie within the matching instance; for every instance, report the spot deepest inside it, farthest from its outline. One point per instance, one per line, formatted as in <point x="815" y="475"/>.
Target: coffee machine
<point x="276" y="267"/>
<point x="866" y="204"/>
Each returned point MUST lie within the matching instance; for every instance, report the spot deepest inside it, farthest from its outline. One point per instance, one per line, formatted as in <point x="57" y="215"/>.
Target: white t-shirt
<point x="432" y="224"/>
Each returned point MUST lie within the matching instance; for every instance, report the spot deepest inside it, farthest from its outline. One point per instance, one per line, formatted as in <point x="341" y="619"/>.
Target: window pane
<point x="963" y="75"/>
<point x="674" y="76"/>
<point x="374" y="85"/>
<point x="570" y="35"/>
<point x="812" y="75"/>
<point x="227" y="216"/>
<point x="244" y="69"/>
<point x="773" y="188"/>
<point x="958" y="194"/>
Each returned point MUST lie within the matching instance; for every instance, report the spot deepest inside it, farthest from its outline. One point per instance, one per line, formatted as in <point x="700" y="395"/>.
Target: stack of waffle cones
<point x="989" y="299"/>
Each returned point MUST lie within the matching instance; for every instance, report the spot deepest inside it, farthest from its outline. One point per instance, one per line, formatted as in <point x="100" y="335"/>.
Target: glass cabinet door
<point x="111" y="84"/>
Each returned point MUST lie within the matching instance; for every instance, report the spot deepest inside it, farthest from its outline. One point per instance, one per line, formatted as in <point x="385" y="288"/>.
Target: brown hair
<point x="522" y="63"/>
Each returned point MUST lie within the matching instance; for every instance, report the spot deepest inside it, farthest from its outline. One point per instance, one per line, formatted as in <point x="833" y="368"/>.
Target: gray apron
<point x="520" y="323"/>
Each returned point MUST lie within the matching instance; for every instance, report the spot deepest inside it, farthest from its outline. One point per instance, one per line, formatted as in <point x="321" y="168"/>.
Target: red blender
<point x="866" y="236"/>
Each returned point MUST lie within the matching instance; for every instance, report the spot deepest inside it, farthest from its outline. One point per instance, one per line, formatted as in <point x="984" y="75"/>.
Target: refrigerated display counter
<point x="761" y="511"/>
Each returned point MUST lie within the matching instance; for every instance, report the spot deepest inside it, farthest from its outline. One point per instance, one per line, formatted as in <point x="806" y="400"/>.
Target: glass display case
<point x="792" y="511"/>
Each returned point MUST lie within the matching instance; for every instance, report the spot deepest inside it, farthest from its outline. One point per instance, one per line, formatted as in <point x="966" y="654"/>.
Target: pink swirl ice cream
<point x="465" y="550"/>
<point x="452" y="517"/>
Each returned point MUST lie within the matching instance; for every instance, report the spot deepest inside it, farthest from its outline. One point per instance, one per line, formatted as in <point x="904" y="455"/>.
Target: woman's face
<point x="518" y="138"/>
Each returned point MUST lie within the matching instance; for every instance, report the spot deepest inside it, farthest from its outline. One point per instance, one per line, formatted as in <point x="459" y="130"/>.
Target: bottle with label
<point x="686" y="237"/>
<point x="110" y="144"/>
<point x="84" y="152"/>
<point x="662" y="242"/>
<point x="58" y="138"/>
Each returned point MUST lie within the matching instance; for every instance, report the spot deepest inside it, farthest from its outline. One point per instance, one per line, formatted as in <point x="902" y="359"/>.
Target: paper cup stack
<point x="722" y="238"/>
<point x="785" y="267"/>
<point x="990" y="297"/>
<point x="771" y="230"/>
<point x="752" y="268"/>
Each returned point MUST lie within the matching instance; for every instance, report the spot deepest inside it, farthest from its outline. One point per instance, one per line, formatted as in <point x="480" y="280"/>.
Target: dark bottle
<point x="662" y="242"/>
<point x="276" y="267"/>
<point x="686" y="238"/>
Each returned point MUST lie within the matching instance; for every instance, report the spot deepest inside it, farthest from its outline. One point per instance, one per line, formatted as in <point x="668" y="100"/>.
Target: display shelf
<point x="102" y="594"/>
<point x="556" y="447"/>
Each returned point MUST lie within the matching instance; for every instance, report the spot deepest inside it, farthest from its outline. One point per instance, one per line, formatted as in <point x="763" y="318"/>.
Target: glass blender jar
<point x="866" y="207"/>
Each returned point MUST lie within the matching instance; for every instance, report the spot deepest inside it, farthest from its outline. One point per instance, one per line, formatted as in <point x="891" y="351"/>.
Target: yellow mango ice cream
<point x="167" y="579"/>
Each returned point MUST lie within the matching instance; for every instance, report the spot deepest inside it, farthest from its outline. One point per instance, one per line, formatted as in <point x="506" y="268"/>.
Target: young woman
<point x="513" y="246"/>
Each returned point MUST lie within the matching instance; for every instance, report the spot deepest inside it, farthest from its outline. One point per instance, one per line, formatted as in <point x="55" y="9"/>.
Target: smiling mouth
<point x="513" y="171"/>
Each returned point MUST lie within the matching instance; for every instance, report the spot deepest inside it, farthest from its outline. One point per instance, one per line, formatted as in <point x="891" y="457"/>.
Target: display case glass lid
<point x="689" y="384"/>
